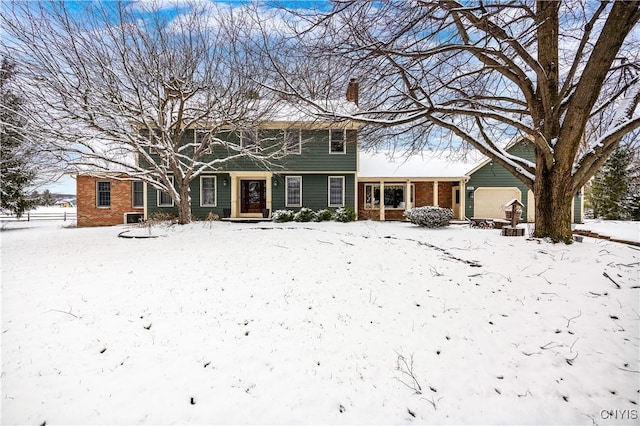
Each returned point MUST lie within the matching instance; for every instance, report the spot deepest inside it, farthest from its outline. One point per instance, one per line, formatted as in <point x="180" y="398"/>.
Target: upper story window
<point x="249" y="140"/>
<point x="103" y="194"/>
<point x="137" y="196"/>
<point x="337" y="141"/>
<point x="203" y="141"/>
<point x="164" y="199"/>
<point x="293" y="141"/>
<point x="208" y="191"/>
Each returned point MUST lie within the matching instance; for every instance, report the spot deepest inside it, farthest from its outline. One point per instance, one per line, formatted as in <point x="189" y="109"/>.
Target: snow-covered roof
<point x="429" y="164"/>
<point x="286" y="111"/>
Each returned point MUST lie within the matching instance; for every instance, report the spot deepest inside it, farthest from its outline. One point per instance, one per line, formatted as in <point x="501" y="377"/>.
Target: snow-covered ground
<point x="622" y="230"/>
<point x="328" y="323"/>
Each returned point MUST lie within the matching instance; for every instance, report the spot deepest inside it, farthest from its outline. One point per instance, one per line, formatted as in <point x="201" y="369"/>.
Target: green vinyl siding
<point x="577" y="207"/>
<point x="315" y="163"/>
<point x="492" y="175"/>
<point x="223" y="195"/>
<point x="152" y="204"/>
<point x="315" y="193"/>
<point x="314" y="153"/>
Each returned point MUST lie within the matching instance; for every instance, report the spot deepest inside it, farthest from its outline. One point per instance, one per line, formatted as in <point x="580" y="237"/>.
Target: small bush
<point x="157" y="218"/>
<point x="324" y="214"/>
<point x="282" y="216"/>
<point x="429" y="216"/>
<point x="212" y="217"/>
<point x="344" y="214"/>
<point x="305" y="214"/>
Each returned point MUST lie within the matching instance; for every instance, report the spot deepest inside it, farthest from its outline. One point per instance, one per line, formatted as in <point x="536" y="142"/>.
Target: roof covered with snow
<point x="287" y="111"/>
<point x="429" y="164"/>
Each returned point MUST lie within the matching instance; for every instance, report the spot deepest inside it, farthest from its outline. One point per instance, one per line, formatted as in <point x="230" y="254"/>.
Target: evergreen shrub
<point x="305" y="214"/>
<point x="344" y="214"/>
<point x="324" y="214"/>
<point x="429" y="216"/>
<point x="282" y="216"/>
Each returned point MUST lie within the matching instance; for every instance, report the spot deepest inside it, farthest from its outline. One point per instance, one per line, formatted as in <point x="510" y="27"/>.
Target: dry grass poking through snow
<point x="365" y="322"/>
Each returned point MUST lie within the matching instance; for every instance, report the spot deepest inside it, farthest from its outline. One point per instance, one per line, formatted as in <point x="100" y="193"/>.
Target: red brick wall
<point x="88" y="212"/>
<point x="423" y="193"/>
<point x="444" y="195"/>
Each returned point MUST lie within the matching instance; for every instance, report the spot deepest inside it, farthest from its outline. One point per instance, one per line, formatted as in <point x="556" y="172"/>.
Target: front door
<point x="455" y="195"/>
<point x="253" y="196"/>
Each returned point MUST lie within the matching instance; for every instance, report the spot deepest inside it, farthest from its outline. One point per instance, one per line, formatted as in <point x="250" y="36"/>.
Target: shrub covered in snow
<point x="344" y="214"/>
<point x="429" y="216"/>
<point x="305" y="214"/>
<point x="282" y="216"/>
<point x="324" y="214"/>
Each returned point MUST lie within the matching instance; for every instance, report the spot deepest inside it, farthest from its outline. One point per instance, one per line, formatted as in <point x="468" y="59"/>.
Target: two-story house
<point x="317" y="168"/>
<point x="317" y="171"/>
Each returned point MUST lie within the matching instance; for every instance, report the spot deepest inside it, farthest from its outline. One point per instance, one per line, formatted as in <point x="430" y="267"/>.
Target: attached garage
<point x="491" y="186"/>
<point x="489" y="201"/>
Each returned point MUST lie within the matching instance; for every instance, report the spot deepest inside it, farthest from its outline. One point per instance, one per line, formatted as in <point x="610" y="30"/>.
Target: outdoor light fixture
<point x="224" y="182"/>
<point x="275" y="182"/>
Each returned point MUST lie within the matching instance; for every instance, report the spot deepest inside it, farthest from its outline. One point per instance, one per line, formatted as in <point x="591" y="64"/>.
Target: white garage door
<point x="489" y="202"/>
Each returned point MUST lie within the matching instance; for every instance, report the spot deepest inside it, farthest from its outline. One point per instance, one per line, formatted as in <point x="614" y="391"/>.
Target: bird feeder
<point x="513" y="210"/>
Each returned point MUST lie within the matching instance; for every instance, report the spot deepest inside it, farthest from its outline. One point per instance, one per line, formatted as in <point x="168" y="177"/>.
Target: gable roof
<point x="429" y="164"/>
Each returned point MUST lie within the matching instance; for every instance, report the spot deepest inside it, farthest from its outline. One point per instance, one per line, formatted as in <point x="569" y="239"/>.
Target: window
<point x="249" y="140"/>
<point x="103" y="194"/>
<point x="336" y="191"/>
<point x="204" y="141"/>
<point x="394" y="196"/>
<point x="294" y="191"/>
<point x="164" y="199"/>
<point x="137" y="199"/>
<point x="208" y="191"/>
<point x="337" y="143"/>
<point x="371" y="196"/>
<point x="293" y="141"/>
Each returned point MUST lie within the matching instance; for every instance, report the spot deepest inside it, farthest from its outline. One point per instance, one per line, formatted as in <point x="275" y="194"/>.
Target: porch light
<point x="224" y="182"/>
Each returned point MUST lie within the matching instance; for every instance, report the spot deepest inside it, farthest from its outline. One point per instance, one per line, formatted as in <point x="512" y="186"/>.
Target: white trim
<point x="286" y="191"/>
<point x="158" y="191"/>
<point x="372" y="185"/>
<point x="215" y="190"/>
<point x="298" y="151"/>
<point x="255" y="146"/>
<point x="98" y="206"/>
<point x="405" y="202"/>
<point x="344" y="142"/>
<point x="329" y="191"/>
<point x="133" y="194"/>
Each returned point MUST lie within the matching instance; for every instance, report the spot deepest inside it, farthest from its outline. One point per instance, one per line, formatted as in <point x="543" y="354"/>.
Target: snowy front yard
<point x="354" y="323"/>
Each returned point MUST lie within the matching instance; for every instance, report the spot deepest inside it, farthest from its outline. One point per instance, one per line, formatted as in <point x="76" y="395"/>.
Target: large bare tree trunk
<point x="553" y="194"/>
<point x="556" y="73"/>
<point x="184" y="205"/>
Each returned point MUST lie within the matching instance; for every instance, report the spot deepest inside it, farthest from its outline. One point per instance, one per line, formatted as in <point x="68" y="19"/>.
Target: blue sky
<point x="65" y="185"/>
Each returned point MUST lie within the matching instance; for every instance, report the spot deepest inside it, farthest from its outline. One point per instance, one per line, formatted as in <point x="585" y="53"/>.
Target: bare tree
<point x="480" y="74"/>
<point x="125" y="86"/>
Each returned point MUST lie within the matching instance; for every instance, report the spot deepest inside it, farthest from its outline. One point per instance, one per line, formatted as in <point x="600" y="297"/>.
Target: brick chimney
<point x="352" y="91"/>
